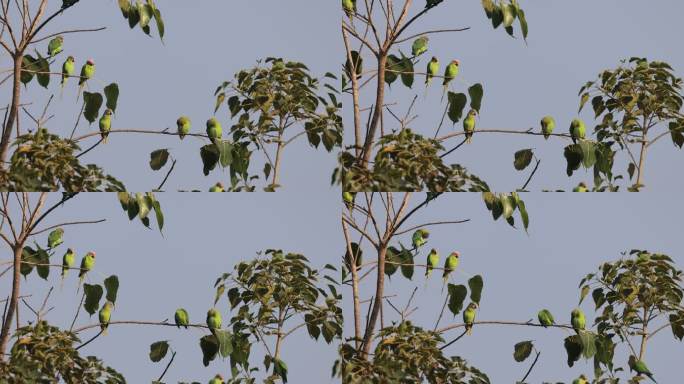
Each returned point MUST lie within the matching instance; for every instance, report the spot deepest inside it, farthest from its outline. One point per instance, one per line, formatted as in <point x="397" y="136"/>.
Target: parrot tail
<point x="469" y="138"/>
<point x="546" y="136"/>
<point x="104" y="139"/>
<point x="443" y="93"/>
<point x="469" y="329"/>
<point x="104" y="330"/>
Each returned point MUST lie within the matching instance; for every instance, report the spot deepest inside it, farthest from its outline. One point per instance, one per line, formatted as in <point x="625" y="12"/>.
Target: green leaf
<point x="160" y="23"/>
<point x="476" y="92"/>
<point x="393" y="67"/>
<point x="225" y="149"/>
<point x="29" y="67"/>
<point x="522" y="350"/>
<point x="225" y="342"/>
<point x="93" y="103"/>
<point x="159" y="158"/>
<point x="159" y="214"/>
<point x="573" y="156"/>
<point x="234" y="105"/>
<point x="28" y="257"/>
<point x="112" y="94"/>
<point x="522" y="159"/>
<point x="523" y="214"/>
<point x="583" y="101"/>
<point x="406" y="260"/>
<point x="475" y="283"/>
<point x="588" y="153"/>
<point x="457" y="294"/>
<point x="112" y="286"/>
<point x="588" y="344"/>
<point x="507" y="206"/>
<point x="210" y="157"/>
<point x="280" y="369"/>
<point x="523" y="23"/>
<point x="584" y="293"/>
<point x="43" y="67"/>
<point x="93" y="294"/>
<point x="573" y="347"/>
<point x="210" y="348"/>
<point x="158" y="350"/>
<point x="676" y="133"/>
<point x="219" y="100"/>
<point x="677" y="325"/>
<point x="457" y="102"/>
<point x="43" y="259"/>
<point x="407" y="76"/>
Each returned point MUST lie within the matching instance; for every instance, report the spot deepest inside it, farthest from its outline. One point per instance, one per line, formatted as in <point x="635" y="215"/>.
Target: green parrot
<point x="450" y="73"/>
<point x="432" y="70"/>
<point x="87" y="73"/>
<point x="469" y="317"/>
<point x="106" y="124"/>
<point x="214" y="130"/>
<point x="55" y="238"/>
<point x="105" y="315"/>
<point x="419" y="238"/>
<point x="67" y="70"/>
<point x="349" y="7"/>
<point x="87" y="263"/>
<point x="348" y="198"/>
<point x="55" y="46"/>
<point x="469" y="125"/>
<point x="218" y="379"/>
<point x="577" y="130"/>
<point x="420" y="46"/>
<point x="640" y="367"/>
<point x="182" y="318"/>
<point x="432" y="262"/>
<point x="67" y="262"/>
<point x="547" y="124"/>
<point x="581" y="380"/>
<point x="450" y="265"/>
<point x="581" y="187"/>
<point x="545" y="318"/>
<point x="213" y="320"/>
<point x="184" y="126"/>
<point x="218" y="187"/>
<point x="578" y="320"/>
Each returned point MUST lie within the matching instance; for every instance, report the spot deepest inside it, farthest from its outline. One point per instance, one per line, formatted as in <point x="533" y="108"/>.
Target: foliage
<point x="407" y="353"/>
<point x="407" y="161"/>
<point x="140" y="205"/>
<point x="45" y="162"/>
<point x="43" y="353"/>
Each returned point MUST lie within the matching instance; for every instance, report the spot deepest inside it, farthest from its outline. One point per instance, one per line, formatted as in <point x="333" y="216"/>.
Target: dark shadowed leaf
<point x="159" y="158"/>
<point x="93" y="294"/>
<point x="158" y="350"/>
<point x="522" y="159"/>
<point x="522" y="350"/>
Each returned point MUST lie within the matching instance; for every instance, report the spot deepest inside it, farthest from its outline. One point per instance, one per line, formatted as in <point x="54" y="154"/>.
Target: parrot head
<point x="91" y="255"/>
<point x="434" y="59"/>
<point x="631" y="362"/>
<point x="212" y="312"/>
<point x="90" y="62"/>
<point x="70" y="59"/>
<point x="576" y="312"/>
<point x="108" y="112"/>
<point x="219" y="185"/>
<point x="108" y="304"/>
<point x="456" y="62"/>
<point x="472" y="113"/>
<point x="472" y="306"/>
<point x="212" y="122"/>
<point x="455" y="254"/>
<point x="425" y="234"/>
<point x="60" y="39"/>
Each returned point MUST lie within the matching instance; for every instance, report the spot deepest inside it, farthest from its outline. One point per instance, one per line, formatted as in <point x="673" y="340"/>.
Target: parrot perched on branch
<point x="577" y="130"/>
<point x="55" y="238"/>
<point x="419" y="238"/>
<point x="87" y="73"/>
<point x="420" y="46"/>
<point x="581" y="380"/>
<point x="450" y="74"/>
<point x="218" y="187"/>
<point x="218" y="379"/>
<point x="213" y="320"/>
<point x="640" y="367"/>
<point x="214" y="130"/>
<point x="581" y="187"/>
<point x="545" y="318"/>
<point x="67" y="262"/>
<point x="87" y="263"/>
<point x="68" y="69"/>
<point x="469" y="318"/>
<point x="450" y="265"/>
<point x="469" y="125"/>
<point x="184" y="126"/>
<point x="432" y="71"/>
<point x="105" y="315"/>
<point x="432" y="262"/>
<point x="349" y="7"/>
<point x="578" y="320"/>
<point x="106" y="124"/>
<point x="547" y="124"/>
<point x="182" y="318"/>
<point x="55" y="46"/>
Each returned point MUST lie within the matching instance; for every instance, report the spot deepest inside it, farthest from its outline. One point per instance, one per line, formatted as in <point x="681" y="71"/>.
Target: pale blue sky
<point x="206" y="42"/>
<point x="203" y="238"/>
<point x="569" y="236"/>
<point x="570" y="42"/>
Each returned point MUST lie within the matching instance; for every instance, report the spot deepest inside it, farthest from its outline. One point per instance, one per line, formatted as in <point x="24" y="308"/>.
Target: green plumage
<point x="68" y="69"/>
<point x="55" y="238"/>
<point x="213" y="320"/>
<point x="545" y="318"/>
<point x="218" y="379"/>
<point x="578" y="320"/>
<point x="87" y="263"/>
<point x="639" y="366"/>
<point x="469" y="125"/>
<point x="450" y="265"/>
<point x="419" y="238"/>
<point x="420" y="46"/>
<point x="469" y="317"/>
<point x="432" y="262"/>
<point x="67" y="262"/>
<point x="450" y="72"/>
<point x="580" y="380"/>
<point x="348" y="197"/>
<point x="218" y="187"/>
<point x="581" y="187"/>
<point x="106" y="124"/>
<point x="349" y="7"/>
<point x="87" y="73"/>
<point x="432" y="70"/>
<point x="182" y="318"/>
<point x="214" y="130"/>
<point x="577" y="130"/>
<point x="105" y="316"/>
<point x="55" y="46"/>
<point x="184" y="126"/>
<point x="548" y="124"/>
